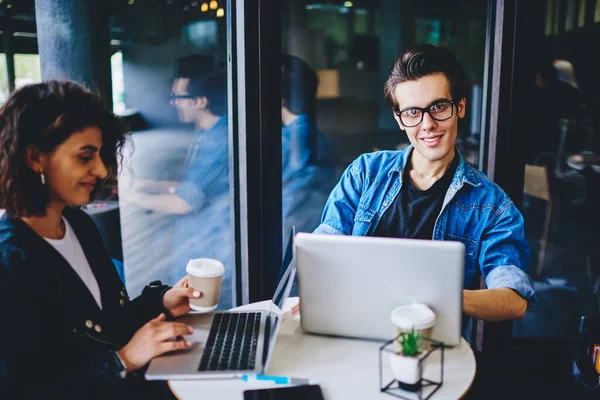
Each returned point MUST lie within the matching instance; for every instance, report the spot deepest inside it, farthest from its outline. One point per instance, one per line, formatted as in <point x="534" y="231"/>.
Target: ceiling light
<point x="204" y="7"/>
<point x="220" y="13"/>
<point x="348" y="4"/>
<point x="214" y="5"/>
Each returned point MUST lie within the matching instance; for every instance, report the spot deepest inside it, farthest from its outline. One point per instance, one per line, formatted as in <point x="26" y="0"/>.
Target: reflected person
<point x="201" y="199"/>
<point x="308" y="158"/>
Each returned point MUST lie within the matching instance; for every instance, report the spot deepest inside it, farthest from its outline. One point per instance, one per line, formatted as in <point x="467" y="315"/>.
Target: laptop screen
<point x="287" y="273"/>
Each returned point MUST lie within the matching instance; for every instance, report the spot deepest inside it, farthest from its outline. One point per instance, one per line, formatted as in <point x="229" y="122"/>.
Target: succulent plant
<point x="411" y="342"/>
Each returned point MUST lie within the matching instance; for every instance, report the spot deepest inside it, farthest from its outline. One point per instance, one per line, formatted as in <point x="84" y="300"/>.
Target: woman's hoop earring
<point x="43" y="178"/>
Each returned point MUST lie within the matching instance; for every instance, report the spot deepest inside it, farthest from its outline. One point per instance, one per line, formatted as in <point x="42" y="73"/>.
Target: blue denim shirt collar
<point x="461" y="176"/>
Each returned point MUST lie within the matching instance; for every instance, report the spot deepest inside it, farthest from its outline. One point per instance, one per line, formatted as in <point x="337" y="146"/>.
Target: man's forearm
<point x="494" y="304"/>
<point x="167" y="203"/>
<point x="156" y="186"/>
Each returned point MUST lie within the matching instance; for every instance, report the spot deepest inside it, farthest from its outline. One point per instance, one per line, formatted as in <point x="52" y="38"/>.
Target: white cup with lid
<point x="205" y="275"/>
<point x="416" y="316"/>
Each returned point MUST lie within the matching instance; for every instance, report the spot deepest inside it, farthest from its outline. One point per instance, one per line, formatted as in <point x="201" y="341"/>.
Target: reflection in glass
<point x="308" y="158"/>
<point x="174" y="187"/>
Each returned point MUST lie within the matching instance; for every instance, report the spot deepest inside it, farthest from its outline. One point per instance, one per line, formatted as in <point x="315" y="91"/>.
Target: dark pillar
<point x="74" y="42"/>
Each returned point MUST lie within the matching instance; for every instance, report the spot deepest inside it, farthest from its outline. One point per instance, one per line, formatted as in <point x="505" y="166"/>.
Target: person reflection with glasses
<point x="429" y="191"/>
<point x="200" y="200"/>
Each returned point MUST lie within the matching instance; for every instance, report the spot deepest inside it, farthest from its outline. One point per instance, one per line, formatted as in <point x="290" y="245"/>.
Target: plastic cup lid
<point x="417" y="316"/>
<point x="205" y="267"/>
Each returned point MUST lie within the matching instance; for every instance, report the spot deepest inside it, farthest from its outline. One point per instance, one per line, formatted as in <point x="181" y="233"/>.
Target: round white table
<point x="344" y="368"/>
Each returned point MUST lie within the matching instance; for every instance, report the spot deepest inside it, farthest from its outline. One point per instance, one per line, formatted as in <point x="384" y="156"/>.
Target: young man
<point x="308" y="159"/>
<point x="201" y="198"/>
<point x="428" y="191"/>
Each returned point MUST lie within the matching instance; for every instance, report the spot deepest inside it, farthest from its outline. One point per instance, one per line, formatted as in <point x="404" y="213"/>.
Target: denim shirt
<point x="207" y="175"/>
<point x="206" y="230"/>
<point x="475" y="212"/>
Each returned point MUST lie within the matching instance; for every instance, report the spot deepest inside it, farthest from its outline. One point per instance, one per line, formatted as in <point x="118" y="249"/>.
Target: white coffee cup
<point x="414" y="316"/>
<point x="205" y="275"/>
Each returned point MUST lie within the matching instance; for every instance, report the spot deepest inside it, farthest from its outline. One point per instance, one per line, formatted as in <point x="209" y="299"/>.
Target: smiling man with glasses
<point x="428" y="191"/>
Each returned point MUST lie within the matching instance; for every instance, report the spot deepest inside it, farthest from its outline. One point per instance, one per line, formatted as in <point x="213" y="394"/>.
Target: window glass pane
<point x="556" y="19"/>
<point x="335" y="60"/>
<point x="581" y="14"/>
<point x="549" y="16"/>
<point x="570" y="17"/>
<point x="4" y="92"/>
<point x="560" y="187"/>
<point x="174" y="187"/>
<point x="118" y="89"/>
<point x="27" y="69"/>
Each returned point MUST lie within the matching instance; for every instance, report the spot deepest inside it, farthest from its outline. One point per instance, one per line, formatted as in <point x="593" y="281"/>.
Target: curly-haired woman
<point x="69" y="330"/>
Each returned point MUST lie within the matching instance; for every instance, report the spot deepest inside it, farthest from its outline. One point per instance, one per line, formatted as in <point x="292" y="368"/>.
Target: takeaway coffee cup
<point x="205" y="275"/>
<point x="414" y="316"/>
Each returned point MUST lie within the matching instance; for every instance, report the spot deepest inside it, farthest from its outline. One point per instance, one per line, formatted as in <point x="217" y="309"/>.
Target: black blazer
<point x="55" y="342"/>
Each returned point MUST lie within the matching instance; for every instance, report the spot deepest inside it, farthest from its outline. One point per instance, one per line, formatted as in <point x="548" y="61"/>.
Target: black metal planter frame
<point x="394" y="387"/>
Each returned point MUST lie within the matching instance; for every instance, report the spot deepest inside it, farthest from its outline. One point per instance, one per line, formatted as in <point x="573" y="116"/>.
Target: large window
<point x="174" y="190"/>
<point x="335" y="58"/>
<point x="27" y="70"/>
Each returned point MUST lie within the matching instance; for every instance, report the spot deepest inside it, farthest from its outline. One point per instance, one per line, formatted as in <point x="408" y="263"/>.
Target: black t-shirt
<point x="413" y="212"/>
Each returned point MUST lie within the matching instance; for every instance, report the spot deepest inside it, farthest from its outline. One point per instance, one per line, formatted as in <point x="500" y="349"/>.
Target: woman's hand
<point x="176" y="299"/>
<point x="152" y="340"/>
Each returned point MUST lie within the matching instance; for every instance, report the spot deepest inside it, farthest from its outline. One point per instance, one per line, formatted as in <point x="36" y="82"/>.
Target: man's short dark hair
<point x="205" y="80"/>
<point x="45" y="115"/>
<point x="298" y="85"/>
<point x="425" y="60"/>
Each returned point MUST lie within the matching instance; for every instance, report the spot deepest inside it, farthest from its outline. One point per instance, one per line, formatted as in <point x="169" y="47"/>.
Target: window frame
<point x="255" y="155"/>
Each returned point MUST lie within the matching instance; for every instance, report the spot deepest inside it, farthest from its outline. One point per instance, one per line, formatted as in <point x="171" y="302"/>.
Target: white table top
<point x="344" y="368"/>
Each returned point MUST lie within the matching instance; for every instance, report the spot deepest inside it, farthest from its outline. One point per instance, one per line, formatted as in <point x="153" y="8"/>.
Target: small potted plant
<point x="405" y="363"/>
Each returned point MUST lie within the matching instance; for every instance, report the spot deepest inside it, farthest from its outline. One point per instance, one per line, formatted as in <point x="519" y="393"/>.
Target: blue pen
<point x="283" y="380"/>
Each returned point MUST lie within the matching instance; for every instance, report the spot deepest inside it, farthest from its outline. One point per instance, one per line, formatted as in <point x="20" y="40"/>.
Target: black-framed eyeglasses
<point x="440" y="111"/>
<point x="174" y="96"/>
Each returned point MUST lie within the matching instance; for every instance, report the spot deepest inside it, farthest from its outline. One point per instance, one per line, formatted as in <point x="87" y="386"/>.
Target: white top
<point x="344" y="368"/>
<point x="70" y="248"/>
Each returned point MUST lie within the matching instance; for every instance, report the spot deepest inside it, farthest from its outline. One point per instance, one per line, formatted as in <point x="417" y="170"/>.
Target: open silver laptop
<point x="349" y="285"/>
<point x="229" y="344"/>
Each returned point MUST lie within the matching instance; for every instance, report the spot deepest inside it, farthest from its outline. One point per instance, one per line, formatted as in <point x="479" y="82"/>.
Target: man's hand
<point x="177" y="299"/>
<point x="152" y="340"/>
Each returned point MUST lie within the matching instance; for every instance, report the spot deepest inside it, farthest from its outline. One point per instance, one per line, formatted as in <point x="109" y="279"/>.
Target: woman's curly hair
<point x="45" y="115"/>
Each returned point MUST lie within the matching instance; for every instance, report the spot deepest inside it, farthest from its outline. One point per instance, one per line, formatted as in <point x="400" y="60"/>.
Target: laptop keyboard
<point x="232" y="342"/>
